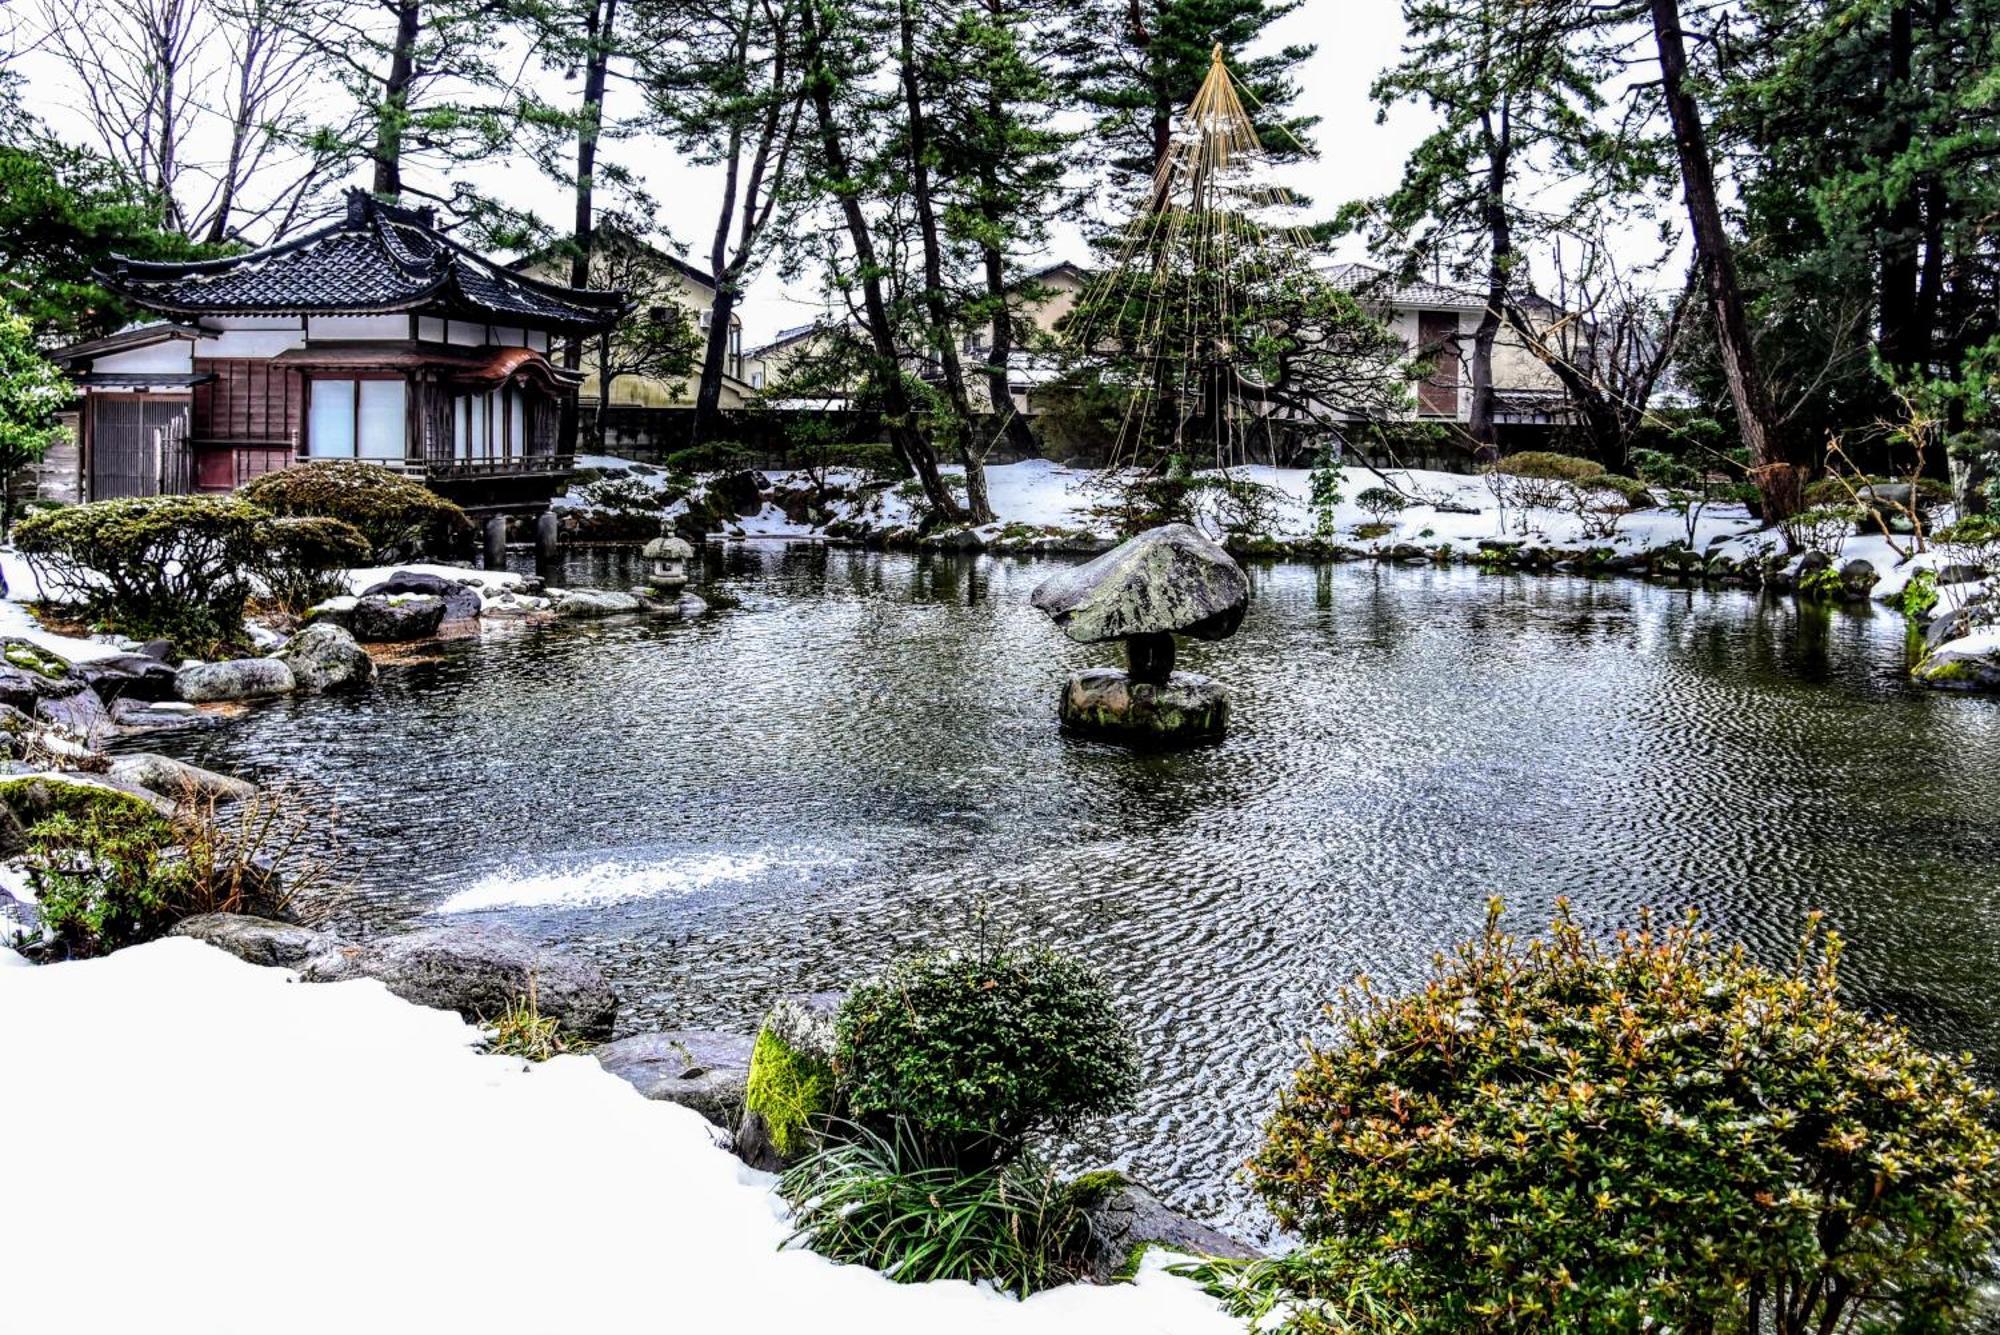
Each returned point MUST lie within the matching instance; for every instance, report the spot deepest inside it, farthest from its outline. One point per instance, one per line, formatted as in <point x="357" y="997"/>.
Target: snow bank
<point x="221" y="1149"/>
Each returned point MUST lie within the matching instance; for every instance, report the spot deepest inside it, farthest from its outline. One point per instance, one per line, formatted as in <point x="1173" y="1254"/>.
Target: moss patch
<point x="31" y="659"/>
<point x="789" y="1090"/>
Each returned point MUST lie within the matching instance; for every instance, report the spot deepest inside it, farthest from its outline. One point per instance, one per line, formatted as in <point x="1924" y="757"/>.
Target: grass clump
<point x="877" y="1199"/>
<point x="1650" y="1133"/>
<point x="523" y="1031"/>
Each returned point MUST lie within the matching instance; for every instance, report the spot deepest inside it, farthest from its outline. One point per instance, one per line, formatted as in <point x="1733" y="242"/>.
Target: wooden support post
<point x="496" y="543"/>
<point x="548" y="544"/>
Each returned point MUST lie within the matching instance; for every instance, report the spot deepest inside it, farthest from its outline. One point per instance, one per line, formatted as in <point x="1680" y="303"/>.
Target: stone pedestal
<point x="1108" y="704"/>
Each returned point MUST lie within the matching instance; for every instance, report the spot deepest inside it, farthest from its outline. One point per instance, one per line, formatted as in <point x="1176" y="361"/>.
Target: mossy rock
<point x="792" y="1089"/>
<point x="32" y="658"/>
<point x="26" y="799"/>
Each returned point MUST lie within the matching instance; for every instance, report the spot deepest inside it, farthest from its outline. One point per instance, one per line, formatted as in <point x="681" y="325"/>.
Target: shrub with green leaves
<point x="1973" y="540"/>
<point x="876" y="1199"/>
<point x="303" y="559"/>
<point x="978" y="1049"/>
<point x="1382" y="503"/>
<point x="171" y="567"/>
<point x="399" y="517"/>
<point x="1323" y="489"/>
<point x="1821" y="528"/>
<point x="716" y="456"/>
<point x="1653" y="1133"/>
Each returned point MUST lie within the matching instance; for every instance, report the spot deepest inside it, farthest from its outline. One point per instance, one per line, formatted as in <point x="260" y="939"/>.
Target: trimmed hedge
<point x="167" y="567"/>
<point x="398" y="517"/>
<point x="305" y="557"/>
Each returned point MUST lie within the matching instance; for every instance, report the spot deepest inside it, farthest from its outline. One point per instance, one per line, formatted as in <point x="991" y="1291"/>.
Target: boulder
<point x="1107" y="703"/>
<point x="284" y="945"/>
<point x="126" y="677"/>
<point x="740" y="492"/>
<point x="237" y="679"/>
<point x="1125" y="1219"/>
<point x="1167" y="580"/>
<point x="461" y="601"/>
<point x="791" y="1085"/>
<point x="79" y="713"/>
<point x="396" y="618"/>
<point x="31" y="657"/>
<point x="1857" y="577"/>
<point x="334" y="611"/>
<point x="164" y="716"/>
<point x="692" y="605"/>
<point x="325" y="657"/>
<point x="178" y="779"/>
<point x="20" y="689"/>
<point x="594" y="603"/>
<point x="479" y="974"/>
<point x="1969" y="663"/>
<point x="702" y="1069"/>
<point x="514" y="605"/>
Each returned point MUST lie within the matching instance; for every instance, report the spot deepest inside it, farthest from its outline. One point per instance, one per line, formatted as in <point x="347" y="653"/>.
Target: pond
<point x="863" y="759"/>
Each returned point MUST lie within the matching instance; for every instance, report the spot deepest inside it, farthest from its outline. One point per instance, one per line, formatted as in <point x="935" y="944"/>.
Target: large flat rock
<point x="1167" y="580"/>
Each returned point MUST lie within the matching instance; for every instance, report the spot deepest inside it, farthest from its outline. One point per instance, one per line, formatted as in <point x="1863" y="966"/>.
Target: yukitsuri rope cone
<point x="1171" y="309"/>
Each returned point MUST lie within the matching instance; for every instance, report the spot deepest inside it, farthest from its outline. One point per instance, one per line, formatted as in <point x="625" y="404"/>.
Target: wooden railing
<point x="474" y="468"/>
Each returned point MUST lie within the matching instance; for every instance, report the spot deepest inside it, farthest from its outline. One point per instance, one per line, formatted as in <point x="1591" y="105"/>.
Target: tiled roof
<point x="1373" y="284"/>
<point x="376" y="259"/>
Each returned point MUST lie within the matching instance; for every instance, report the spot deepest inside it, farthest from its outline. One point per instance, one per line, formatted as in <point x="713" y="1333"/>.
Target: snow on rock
<point x="489" y="582"/>
<point x="436" y="1188"/>
<point x="17" y="622"/>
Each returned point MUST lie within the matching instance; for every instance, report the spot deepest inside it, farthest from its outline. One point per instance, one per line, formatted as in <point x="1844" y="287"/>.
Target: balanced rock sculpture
<point x="1165" y="582"/>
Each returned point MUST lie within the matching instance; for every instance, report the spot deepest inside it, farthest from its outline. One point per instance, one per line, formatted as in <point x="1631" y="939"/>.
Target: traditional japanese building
<point x="376" y="337"/>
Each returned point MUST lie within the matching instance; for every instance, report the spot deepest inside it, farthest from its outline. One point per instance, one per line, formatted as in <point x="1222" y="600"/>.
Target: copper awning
<point x="472" y="369"/>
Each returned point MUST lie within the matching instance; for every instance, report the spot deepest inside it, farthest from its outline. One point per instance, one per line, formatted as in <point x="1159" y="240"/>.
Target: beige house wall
<point x="638" y="391"/>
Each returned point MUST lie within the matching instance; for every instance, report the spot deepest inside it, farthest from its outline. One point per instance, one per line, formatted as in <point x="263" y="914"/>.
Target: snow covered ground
<point x="197" y="1144"/>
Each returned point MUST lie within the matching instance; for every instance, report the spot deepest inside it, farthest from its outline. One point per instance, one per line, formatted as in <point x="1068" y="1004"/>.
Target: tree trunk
<point x="943" y="335"/>
<point x="1000" y="354"/>
<point x="1772" y="468"/>
<point x="599" y="23"/>
<point x="395" y="112"/>
<point x="1500" y="254"/>
<point x="899" y="415"/>
<point x="714" y="359"/>
<point x="1901" y="340"/>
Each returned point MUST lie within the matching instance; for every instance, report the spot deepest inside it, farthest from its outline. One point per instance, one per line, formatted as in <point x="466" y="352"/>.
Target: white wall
<point x="331" y="327"/>
<point x="168" y="356"/>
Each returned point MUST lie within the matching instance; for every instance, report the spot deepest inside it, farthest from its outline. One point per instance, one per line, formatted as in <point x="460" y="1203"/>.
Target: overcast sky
<point x="1355" y="40"/>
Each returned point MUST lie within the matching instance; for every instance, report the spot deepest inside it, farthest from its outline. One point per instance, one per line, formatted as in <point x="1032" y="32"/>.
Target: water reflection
<point x="865" y="754"/>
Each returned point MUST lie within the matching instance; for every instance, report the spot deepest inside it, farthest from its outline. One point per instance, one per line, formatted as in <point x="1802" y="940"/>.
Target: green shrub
<point x="978" y="1049"/>
<point x="1973" y="541"/>
<point x="1542" y="479"/>
<point x="718" y="456"/>
<point x="1821" y="528"/>
<point x="105" y="874"/>
<point x="876" y="1200"/>
<point x="1650" y="1134"/>
<point x="1323" y="490"/>
<point x="303" y="560"/>
<point x="1636" y="495"/>
<point x="1549" y="466"/>
<point x="1382" y="503"/>
<point x="171" y="567"/>
<point x="399" y="517"/>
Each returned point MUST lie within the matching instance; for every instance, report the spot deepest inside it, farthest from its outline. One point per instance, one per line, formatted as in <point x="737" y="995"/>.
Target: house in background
<point x="650" y="277"/>
<point x="374" y="337"/>
<point x="1435" y="317"/>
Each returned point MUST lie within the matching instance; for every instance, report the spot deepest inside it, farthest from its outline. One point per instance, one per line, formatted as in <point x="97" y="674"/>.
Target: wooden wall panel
<point x="249" y="399"/>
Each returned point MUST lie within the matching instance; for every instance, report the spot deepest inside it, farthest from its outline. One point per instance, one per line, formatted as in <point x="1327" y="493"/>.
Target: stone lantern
<point x="1165" y="582"/>
<point x="666" y="564"/>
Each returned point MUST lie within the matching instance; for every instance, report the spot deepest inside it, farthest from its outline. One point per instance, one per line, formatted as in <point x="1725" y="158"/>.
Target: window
<point x="382" y="433"/>
<point x="756" y="380"/>
<point x="357" y="419"/>
<point x="330" y="426"/>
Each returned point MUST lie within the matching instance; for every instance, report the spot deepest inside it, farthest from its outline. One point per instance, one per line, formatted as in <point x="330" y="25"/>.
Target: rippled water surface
<point x="864" y="756"/>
